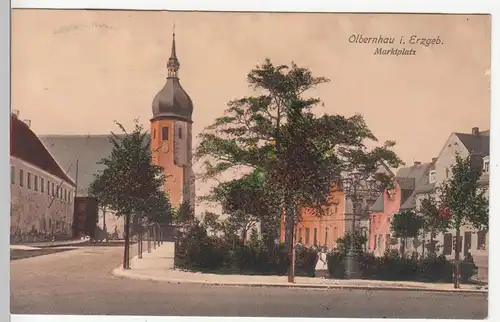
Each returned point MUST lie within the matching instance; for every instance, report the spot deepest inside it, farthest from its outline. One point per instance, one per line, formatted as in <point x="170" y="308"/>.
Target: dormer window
<point x="486" y="165"/>
<point x="432" y="176"/>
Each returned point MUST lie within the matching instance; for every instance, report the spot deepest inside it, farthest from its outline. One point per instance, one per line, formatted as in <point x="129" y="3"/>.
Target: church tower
<point x="171" y="136"/>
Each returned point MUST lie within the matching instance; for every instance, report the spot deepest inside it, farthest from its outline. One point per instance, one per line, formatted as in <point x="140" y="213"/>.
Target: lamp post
<point x="358" y="187"/>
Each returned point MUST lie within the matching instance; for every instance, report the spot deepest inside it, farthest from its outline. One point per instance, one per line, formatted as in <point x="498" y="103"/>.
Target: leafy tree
<point x="129" y="184"/>
<point x="463" y="201"/>
<point x="247" y="201"/>
<point x="344" y="243"/>
<point x="183" y="214"/>
<point x="432" y="221"/>
<point x="276" y="132"/>
<point x="405" y="224"/>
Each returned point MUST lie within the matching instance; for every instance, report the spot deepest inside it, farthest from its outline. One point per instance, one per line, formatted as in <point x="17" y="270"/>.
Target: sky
<point x="76" y="71"/>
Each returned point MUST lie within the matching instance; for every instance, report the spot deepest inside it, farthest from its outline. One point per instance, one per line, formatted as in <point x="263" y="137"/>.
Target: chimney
<point x="475" y="131"/>
<point x="417" y="163"/>
<point x="15" y="113"/>
<point x="28" y="123"/>
<point x="434" y="160"/>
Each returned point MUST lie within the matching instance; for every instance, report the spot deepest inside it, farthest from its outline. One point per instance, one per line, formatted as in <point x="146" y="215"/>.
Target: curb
<point x="54" y="244"/>
<point x="121" y="273"/>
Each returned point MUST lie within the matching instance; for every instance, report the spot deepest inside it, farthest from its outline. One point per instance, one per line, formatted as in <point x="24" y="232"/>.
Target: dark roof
<point x="25" y="145"/>
<point x="172" y="101"/>
<point x="87" y="149"/>
<point x="409" y="179"/>
<point x="476" y="144"/>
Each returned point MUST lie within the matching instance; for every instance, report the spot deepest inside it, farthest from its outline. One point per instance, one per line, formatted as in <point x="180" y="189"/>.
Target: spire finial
<point x="173" y="62"/>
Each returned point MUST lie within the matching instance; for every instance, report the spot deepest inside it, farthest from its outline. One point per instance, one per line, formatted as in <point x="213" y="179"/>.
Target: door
<point x="467" y="242"/>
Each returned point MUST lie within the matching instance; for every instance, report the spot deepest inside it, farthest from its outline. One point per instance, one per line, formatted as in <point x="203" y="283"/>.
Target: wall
<point x="380" y="223"/>
<point x="163" y="155"/>
<point x="331" y="225"/>
<point x="31" y="217"/>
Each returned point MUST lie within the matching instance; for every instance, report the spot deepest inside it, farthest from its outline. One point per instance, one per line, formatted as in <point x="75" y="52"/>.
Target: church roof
<point x="172" y="101"/>
<point x="87" y="149"/>
<point x="25" y="145"/>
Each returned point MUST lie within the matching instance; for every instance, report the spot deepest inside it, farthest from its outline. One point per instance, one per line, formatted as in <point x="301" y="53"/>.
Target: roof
<point x="25" y="145"/>
<point x="410" y="179"/>
<point x="172" y="101"/>
<point x="476" y="144"/>
<point x="87" y="149"/>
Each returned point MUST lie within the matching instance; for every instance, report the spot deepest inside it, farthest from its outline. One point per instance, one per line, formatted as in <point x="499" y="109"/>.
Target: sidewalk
<point x="158" y="266"/>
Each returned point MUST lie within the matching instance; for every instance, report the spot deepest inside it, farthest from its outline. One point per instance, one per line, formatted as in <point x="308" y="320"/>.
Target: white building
<point x="42" y="195"/>
<point x="476" y="144"/>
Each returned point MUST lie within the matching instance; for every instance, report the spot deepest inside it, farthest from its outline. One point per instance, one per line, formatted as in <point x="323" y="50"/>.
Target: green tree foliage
<point x="463" y="198"/>
<point x="130" y="185"/>
<point x="344" y="243"/>
<point x="183" y="214"/>
<point x="247" y="201"/>
<point x="432" y="221"/>
<point x="276" y="132"/>
<point x="406" y="224"/>
<point x="463" y="201"/>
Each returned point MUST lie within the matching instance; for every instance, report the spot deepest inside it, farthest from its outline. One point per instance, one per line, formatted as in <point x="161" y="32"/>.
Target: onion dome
<point x="172" y="101"/>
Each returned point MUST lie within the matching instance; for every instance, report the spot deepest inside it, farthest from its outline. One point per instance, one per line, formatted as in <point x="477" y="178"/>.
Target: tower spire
<point x="173" y="63"/>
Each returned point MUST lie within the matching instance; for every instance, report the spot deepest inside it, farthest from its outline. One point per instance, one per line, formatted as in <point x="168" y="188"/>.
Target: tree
<point x="302" y="154"/>
<point x="129" y="184"/>
<point x="248" y="201"/>
<point x="432" y="221"/>
<point x="463" y="201"/>
<point x="405" y="224"/>
<point x="184" y="214"/>
<point x="344" y="243"/>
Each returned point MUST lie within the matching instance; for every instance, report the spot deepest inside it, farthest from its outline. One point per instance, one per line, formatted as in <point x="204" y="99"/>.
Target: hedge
<point x="392" y="267"/>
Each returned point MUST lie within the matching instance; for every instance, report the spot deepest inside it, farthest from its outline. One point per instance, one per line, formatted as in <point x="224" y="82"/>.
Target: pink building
<point x="401" y="197"/>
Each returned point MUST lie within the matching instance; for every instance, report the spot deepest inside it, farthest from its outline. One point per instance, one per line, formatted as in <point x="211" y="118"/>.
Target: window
<point x="375" y="242"/>
<point x="52" y="190"/>
<point x="48" y="187"/>
<point x="12" y="174"/>
<point x="486" y="165"/>
<point x="447" y="245"/>
<point x="164" y="133"/>
<point x="21" y="177"/>
<point x="387" y="241"/>
<point x="65" y="195"/>
<point x="481" y="240"/>
<point x="432" y="176"/>
<point x="154" y="133"/>
<point x="326" y="236"/>
<point x="300" y="234"/>
<point x="29" y="180"/>
<point x="57" y="192"/>
<point x="42" y="185"/>
<point x="308" y="232"/>
<point x="315" y="236"/>
<point x="70" y="196"/>
<point x="180" y="133"/>
<point x="36" y="182"/>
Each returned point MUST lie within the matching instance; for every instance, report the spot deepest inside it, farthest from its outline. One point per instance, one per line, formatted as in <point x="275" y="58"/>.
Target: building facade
<point x="42" y="194"/>
<point x="476" y="145"/>
<point x="407" y="182"/>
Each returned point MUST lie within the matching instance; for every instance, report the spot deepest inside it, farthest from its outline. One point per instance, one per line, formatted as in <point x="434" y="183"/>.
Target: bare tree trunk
<point x="290" y="225"/>
<point x="457" y="260"/>
<point x="126" y="255"/>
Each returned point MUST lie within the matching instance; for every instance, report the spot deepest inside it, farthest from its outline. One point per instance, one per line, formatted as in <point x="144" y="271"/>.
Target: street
<point x="80" y="282"/>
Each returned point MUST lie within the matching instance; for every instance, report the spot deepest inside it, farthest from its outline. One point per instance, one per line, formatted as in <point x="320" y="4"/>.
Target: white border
<point x="392" y="6"/>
